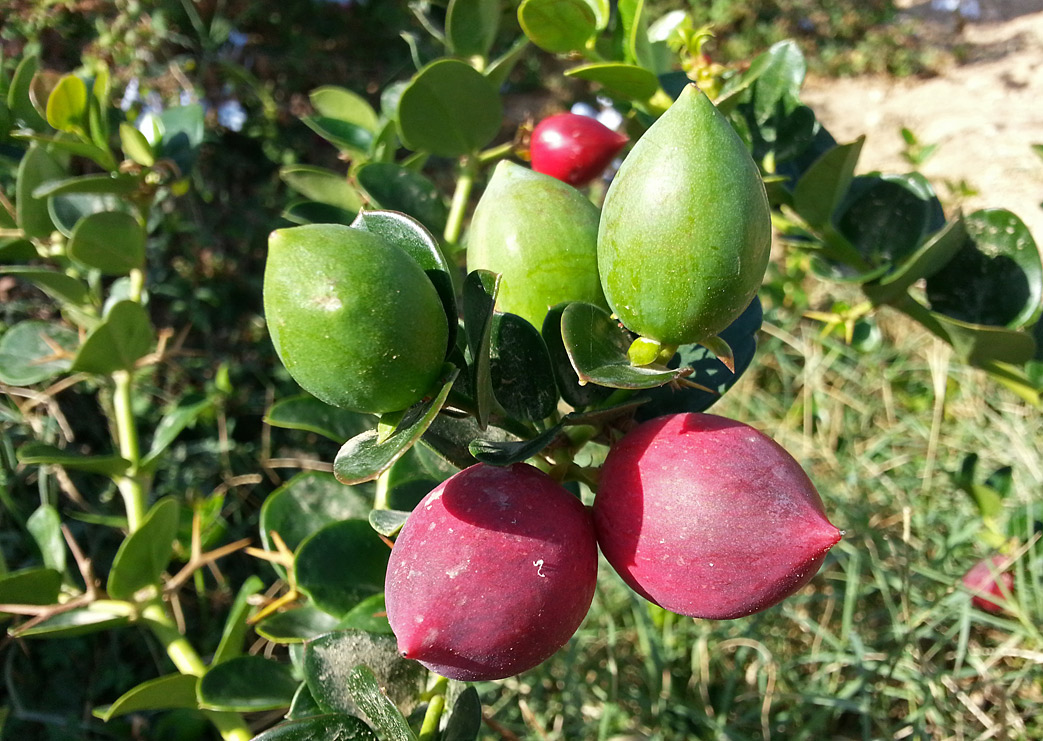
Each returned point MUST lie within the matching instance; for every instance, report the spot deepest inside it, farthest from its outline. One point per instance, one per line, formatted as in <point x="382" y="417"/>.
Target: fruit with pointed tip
<point x="707" y="517"/>
<point x="573" y="148"/>
<point x="685" y="228"/>
<point x="493" y="572"/>
<point x="991" y="584"/>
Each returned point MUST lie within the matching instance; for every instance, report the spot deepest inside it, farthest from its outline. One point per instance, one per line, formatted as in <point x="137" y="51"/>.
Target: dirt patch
<point x="984" y="114"/>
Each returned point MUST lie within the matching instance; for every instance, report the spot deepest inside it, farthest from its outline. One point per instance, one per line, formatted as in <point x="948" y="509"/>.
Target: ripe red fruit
<point x="985" y="579"/>
<point x="492" y="573"/>
<point x="707" y="517"/>
<point x="573" y="148"/>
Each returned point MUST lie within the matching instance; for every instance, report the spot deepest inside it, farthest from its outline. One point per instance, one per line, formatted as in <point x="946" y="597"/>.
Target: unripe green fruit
<point x="540" y="234"/>
<point x="492" y="573"/>
<point x="685" y="228"/>
<point x="355" y="320"/>
<point x="707" y="517"/>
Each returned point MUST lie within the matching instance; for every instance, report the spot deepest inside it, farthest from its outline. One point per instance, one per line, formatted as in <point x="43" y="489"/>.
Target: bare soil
<point x="984" y="113"/>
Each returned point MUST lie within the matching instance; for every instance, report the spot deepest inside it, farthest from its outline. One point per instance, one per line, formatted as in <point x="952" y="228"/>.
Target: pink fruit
<point x="573" y="148"/>
<point x="707" y="517"/>
<point x="985" y="579"/>
<point x="492" y="573"/>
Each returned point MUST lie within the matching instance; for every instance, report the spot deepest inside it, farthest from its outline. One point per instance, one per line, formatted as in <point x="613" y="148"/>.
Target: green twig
<point x="130" y="485"/>
<point x="461" y="197"/>
<point x="435" y="707"/>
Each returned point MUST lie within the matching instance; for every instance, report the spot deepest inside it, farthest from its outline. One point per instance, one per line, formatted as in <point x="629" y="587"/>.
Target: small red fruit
<point x="492" y="573"/>
<point x="573" y="148"/>
<point x="985" y="579"/>
<point x="707" y="517"/>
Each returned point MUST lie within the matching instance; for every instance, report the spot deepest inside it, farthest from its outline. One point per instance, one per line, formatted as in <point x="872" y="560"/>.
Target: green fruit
<point x="354" y="319"/>
<point x="686" y="228"/>
<point x="540" y="234"/>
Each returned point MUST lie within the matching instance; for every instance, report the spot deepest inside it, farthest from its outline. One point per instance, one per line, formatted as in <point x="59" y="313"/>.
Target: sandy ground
<point x="984" y="114"/>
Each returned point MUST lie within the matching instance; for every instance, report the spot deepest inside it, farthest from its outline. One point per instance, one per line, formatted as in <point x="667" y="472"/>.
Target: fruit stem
<point x="461" y="197"/>
<point x="435" y="706"/>
<point x="495" y="154"/>
<point x="230" y="725"/>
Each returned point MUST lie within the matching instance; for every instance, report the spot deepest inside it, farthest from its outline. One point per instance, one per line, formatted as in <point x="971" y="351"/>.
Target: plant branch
<point x="461" y="197"/>
<point x="130" y="485"/>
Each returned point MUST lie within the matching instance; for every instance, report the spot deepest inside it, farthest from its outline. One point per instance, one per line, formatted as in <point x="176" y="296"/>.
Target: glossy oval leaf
<point x="33" y="586"/>
<point x="112" y="184"/>
<point x="111" y="242"/>
<point x="996" y="279"/>
<point x="627" y="81"/>
<point x="322" y="185"/>
<point x="45" y="525"/>
<point x="980" y="344"/>
<point x="236" y="626"/>
<point x="933" y="255"/>
<point x="465" y="718"/>
<point x="820" y="190"/>
<point x="330" y="659"/>
<point x="67" y="104"/>
<point x="597" y="347"/>
<point x="520" y="369"/>
<point x="67" y="209"/>
<point x="577" y="395"/>
<point x="331" y="727"/>
<point x="471" y="26"/>
<point x="387" y="522"/>
<point x="163" y="693"/>
<point x="34" y="351"/>
<point x="372" y="699"/>
<point x="366" y="456"/>
<point x="78" y="622"/>
<point x="396" y="188"/>
<point x="307" y="503"/>
<point x="297" y="624"/>
<point x="116" y="344"/>
<point x="341" y="564"/>
<point x="369" y="615"/>
<point x="558" y="26"/>
<point x="136" y="146"/>
<point x="145" y="554"/>
<point x="37" y="167"/>
<point x="19" y="100"/>
<point x="332" y="101"/>
<point x="57" y="285"/>
<point x="449" y="109"/>
<point x="341" y="134"/>
<point x="479" y="299"/>
<point x="247" y="684"/>
<point x="305" y="412"/>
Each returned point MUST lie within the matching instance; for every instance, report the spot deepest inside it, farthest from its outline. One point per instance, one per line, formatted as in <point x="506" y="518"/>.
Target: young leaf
<point x="136" y="146"/>
<point x="163" y="693"/>
<point x="145" y="554"/>
<point x="247" y="684"/>
<point x="341" y="564"/>
<point x="67" y="105"/>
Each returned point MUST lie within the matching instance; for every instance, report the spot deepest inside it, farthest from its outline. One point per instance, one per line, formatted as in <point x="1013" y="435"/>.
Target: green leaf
<point x="370" y="698"/>
<point x="17" y="250"/>
<point x="341" y="134"/>
<point x="37" y="167"/>
<point x="58" y="286"/>
<point x="333" y="727"/>
<point x="406" y="233"/>
<point x="330" y="659"/>
<point x="479" y="299"/>
<point x="931" y="257"/>
<point x="116" y="344"/>
<point x="325" y="186"/>
<point x="92" y="619"/>
<point x="342" y="104"/>
<point x="979" y="344"/>
<point x="465" y="719"/>
<point x="520" y="369"/>
<point x="391" y="186"/>
<point x="307" y="502"/>
<point x="236" y="627"/>
<point x="597" y="347"/>
<point x="996" y="279"/>
<point x="247" y="684"/>
<point x="67" y="209"/>
<point x="183" y="133"/>
<point x="183" y="415"/>
<point x="387" y="522"/>
<point x="312" y="212"/>
<point x="19" y="100"/>
<point x="369" y="615"/>
<point x="557" y="26"/>
<point x="449" y="109"/>
<point x="622" y="80"/>
<point x="636" y="44"/>
<point x="365" y="456"/>
<point x="163" y="693"/>
<point x="341" y="564"/>
<point x="67" y="144"/>
<point x="568" y="383"/>
<point x="34" y="453"/>
<point x="143" y="556"/>
<point x="67" y="105"/>
<point x="780" y="80"/>
<point x="508" y="452"/>
<point x="112" y="242"/>
<point x="45" y="525"/>
<point x="471" y="25"/>
<point x="33" y="586"/>
<point x="34" y="351"/>
<point x="297" y="625"/>
<point x="112" y="184"/>
<point x="136" y="146"/>
<point x="500" y="68"/>
<point x="305" y="412"/>
<point x="821" y="189"/>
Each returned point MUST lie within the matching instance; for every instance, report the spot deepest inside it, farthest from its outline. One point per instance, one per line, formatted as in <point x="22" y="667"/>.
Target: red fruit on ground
<point x="707" y="517"/>
<point x="984" y="578"/>
<point x="492" y="573"/>
<point x="573" y="148"/>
